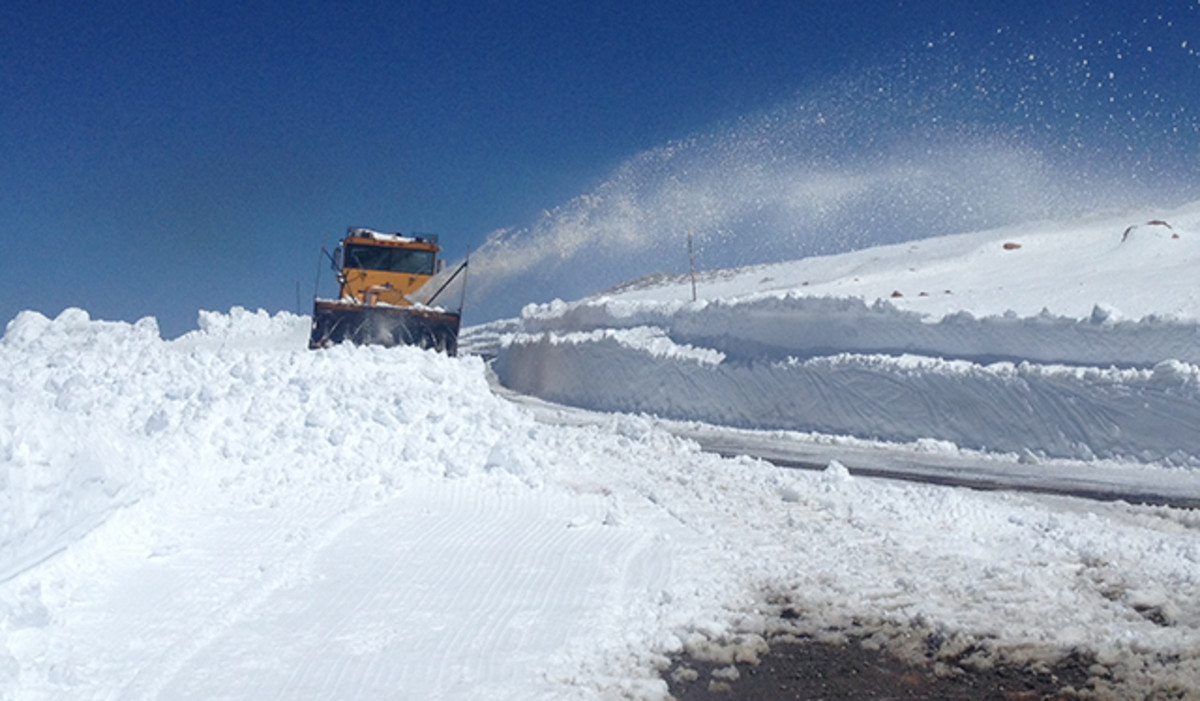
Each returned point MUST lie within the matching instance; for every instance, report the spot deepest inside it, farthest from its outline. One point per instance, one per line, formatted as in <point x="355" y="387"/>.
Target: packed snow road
<point x="479" y="586"/>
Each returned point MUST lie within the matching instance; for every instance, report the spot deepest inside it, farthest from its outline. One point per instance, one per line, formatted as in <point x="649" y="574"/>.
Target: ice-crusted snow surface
<point x="230" y="515"/>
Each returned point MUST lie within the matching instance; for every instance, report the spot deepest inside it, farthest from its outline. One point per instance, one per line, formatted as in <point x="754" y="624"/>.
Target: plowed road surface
<point x="449" y="590"/>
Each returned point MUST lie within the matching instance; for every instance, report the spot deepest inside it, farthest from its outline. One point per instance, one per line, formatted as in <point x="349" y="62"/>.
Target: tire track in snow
<point x="171" y="583"/>
<point x="474" y="582"/>
<point x="237" y="565"/>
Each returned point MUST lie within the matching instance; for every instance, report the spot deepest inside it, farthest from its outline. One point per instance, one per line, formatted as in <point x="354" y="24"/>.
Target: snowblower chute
<point x="379" y="275"/>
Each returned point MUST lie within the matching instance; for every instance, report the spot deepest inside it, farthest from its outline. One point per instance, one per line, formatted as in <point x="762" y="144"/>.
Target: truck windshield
<point x="396" y="260"/>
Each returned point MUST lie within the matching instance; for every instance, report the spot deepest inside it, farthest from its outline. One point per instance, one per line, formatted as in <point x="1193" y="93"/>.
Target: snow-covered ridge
<point x="1136" y="264"/>
<point x="1022" y="345"/>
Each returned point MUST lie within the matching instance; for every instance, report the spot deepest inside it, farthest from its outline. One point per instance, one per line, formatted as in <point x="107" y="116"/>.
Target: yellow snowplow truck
<point x="378" y="276"/>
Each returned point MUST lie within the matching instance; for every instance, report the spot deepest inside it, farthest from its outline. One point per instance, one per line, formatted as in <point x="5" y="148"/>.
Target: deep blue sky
<point x="159" y="158"/>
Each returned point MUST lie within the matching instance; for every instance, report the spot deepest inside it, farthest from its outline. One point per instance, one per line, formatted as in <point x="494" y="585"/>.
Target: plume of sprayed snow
<point x="747" y="198"/>
<point x="898" y="154"/>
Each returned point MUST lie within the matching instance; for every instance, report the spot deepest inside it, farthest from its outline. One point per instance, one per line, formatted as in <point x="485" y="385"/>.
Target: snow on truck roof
<point x="363" y="232"/>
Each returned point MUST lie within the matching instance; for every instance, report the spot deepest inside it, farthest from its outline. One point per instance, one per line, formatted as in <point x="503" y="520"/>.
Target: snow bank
<point x="955" y="362"/>
<point x="94" y="415"/>
<point x="62" y="468"/>
<point x="1059" y="411"/>
<point x="790" y="325"/>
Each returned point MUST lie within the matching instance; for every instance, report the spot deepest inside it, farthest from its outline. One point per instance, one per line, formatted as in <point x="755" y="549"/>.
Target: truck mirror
<point x="336" y="259"/>
<point x="441" y="265"/>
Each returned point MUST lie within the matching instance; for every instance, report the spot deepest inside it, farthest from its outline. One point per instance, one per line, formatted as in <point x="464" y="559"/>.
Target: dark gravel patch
<point x="811" y="670"/>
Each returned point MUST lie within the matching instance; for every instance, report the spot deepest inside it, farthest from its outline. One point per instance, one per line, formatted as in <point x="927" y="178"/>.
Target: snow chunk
<point x="836" y="473"/>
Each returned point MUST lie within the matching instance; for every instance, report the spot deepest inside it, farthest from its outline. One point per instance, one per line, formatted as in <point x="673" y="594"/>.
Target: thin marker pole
<point x="692" y="264"/>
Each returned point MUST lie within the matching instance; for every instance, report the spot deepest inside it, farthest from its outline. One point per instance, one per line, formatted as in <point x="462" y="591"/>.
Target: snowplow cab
<point x="377" y="273"/>
<point x="385" y="268"/>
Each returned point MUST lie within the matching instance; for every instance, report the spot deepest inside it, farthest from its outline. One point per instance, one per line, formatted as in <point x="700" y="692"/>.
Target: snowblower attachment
<point x="379" y="276"/>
